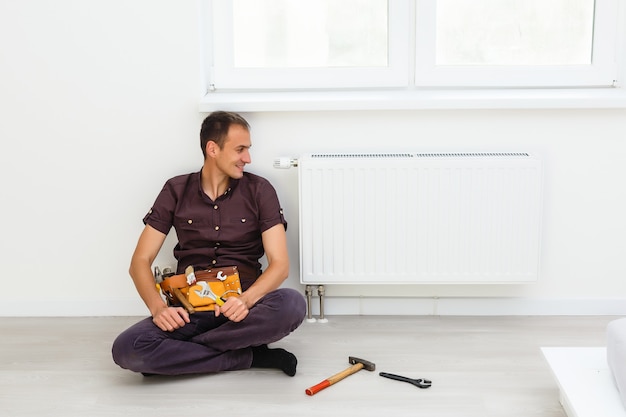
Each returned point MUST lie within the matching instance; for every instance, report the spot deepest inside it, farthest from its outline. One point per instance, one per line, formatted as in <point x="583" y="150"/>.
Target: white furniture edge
<point x="586" y="384"/>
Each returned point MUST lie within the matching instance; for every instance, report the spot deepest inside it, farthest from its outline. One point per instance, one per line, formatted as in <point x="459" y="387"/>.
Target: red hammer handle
<point x="334" y="379"/>
<point x="317" y="388"/>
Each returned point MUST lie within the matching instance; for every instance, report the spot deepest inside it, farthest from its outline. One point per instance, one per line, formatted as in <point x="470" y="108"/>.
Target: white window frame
<point x="406" y="89"/>
<point x="226" y="76"/>
<point x="602" y="72"/>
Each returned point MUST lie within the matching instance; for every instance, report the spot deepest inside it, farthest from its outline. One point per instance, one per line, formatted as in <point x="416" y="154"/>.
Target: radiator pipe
<point x="320" y="293"/>
<point x="308" y="291"/>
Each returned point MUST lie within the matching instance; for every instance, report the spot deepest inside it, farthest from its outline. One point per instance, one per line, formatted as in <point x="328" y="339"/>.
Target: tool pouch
<point x="201" y="294"/>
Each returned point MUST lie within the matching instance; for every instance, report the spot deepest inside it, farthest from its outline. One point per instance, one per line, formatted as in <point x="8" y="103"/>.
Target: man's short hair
<point x="215" y="128"/>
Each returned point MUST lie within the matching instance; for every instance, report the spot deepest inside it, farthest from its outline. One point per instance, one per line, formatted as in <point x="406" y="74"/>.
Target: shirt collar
<point x="231" y="186"/>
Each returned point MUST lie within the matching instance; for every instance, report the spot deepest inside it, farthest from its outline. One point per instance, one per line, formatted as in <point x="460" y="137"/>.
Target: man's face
<point x="232" y="159"/>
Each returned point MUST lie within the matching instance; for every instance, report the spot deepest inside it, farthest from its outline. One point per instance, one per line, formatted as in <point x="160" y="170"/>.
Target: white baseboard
<point x="75" y="308"/>
<point x="469" y="306"/>
<point x="367" y="306"/>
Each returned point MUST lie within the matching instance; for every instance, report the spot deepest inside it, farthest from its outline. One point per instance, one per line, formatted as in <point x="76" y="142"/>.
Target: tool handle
<point x="317" y="388"/>
<point x="346" y="372"/>
<point x="183" y="300"/>
<point x="334" y="379"/>
<point x="396" y="377"/>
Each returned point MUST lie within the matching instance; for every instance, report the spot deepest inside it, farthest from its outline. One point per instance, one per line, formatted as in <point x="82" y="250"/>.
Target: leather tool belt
<point x="201" y="290"/>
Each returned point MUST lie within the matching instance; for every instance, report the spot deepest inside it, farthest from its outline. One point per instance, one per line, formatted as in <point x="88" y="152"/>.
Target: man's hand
<point x="169" y="319"/>
<point x="234" y="309"/>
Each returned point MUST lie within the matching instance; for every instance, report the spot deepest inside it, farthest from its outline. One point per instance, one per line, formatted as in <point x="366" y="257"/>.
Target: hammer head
<point x="370" y="366"/>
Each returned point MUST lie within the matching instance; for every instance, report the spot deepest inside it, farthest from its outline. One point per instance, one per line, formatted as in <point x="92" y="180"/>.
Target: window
<point x="382" y="47"/>
<point x="275" y="44"/>
<point x="516" y="43"/>
<point x="287" y="34"/>
<point x="514" y="32"/>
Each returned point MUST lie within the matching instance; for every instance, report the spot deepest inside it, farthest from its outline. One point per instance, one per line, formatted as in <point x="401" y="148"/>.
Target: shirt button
<point x="213" y="261"/>
<point x="243" y="220"/>
<point x="215" y="207"/>
<point x="189" y="221"/>
<point x="217" y="228"/>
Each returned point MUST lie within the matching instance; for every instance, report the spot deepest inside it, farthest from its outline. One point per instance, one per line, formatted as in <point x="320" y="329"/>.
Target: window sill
<point x="600" y="98"/>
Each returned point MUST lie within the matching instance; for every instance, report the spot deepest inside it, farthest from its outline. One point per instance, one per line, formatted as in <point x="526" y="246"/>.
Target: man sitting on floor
<point x="223" y="216"/>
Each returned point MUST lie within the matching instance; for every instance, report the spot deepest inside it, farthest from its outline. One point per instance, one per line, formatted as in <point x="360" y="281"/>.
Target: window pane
<point x="514" y="32"/>
<point x="301" y="34"/>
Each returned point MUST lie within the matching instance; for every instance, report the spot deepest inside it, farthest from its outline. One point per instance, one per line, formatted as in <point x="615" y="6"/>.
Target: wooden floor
<point x="480" y="366"/>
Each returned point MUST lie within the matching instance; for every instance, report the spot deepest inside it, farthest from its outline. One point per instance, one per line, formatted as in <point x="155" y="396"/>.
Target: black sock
<point x="264" y="357"/>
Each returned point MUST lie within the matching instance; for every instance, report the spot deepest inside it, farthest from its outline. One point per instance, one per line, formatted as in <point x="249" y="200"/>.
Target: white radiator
<point x="419" y="218"/>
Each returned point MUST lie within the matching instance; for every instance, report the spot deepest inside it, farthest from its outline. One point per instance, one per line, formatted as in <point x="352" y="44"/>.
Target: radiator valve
<point x="285" y="163"/>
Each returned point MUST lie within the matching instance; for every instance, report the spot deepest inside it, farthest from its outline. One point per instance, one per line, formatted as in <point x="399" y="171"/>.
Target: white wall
<point x="99" y="104"/>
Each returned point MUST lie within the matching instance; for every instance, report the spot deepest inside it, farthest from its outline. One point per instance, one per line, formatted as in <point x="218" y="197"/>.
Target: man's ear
<point x="211" y="148"/>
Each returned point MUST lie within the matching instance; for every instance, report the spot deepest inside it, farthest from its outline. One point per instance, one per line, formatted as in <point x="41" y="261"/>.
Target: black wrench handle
<point x="416" y="382"/>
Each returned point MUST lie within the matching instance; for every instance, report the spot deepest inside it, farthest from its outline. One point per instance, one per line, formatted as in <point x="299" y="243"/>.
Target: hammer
<point x="357" y="365"/>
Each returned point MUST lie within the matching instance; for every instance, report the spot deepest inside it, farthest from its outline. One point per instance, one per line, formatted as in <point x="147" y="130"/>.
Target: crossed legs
<point x="213" y="344"/>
